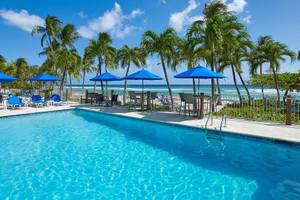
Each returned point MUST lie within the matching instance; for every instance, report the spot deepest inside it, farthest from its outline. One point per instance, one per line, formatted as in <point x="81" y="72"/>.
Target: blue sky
<point x="126" y="20"/>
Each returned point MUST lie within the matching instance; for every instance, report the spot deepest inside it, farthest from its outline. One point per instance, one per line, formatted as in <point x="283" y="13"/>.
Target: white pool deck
<point x="244" y="127"/>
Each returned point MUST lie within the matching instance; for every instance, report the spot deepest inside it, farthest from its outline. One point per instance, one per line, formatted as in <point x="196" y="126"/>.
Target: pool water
<point x="86" y="155"/>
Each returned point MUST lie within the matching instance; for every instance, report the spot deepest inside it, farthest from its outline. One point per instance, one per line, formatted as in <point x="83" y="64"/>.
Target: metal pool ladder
<point x="216" y="135"/>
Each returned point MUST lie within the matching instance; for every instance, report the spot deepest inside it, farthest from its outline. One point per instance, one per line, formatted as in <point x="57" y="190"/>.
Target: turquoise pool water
<point x="84" y="155"/>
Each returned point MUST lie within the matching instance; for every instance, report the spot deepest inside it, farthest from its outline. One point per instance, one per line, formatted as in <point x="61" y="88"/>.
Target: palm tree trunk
<point x="276" y="85"/>
<point x="125" y="85"/>
<point x="194" y="92"/>
<point x="212" y="80"/>
<point x="235" y="84"/>
<point x="262" y="85"/>
<point x="70" y="81"/>
<point x="63" y="79"/>
<point x="83" y="79"/>
<point x="245" y="86"/>
<point x="167" y="81"/>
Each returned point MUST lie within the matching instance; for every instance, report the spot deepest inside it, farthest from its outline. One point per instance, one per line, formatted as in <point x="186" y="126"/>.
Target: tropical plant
<point x="105" y="53"/>
<point x="126" y="56"/>
<point x="87" y="66"/>
<point x="275" y="53"/>
<point x="165" y="45"/>
<point x="49" y="31"/>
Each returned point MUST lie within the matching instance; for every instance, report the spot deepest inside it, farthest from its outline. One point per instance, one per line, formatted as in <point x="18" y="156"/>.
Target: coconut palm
<point x="126" y="56"/>
<point x="49" y="31"/>
<point x="67" y="36"/>
<point x="275" y="53"/>
<point x="164" y="45"/>
<point x="87" y="66"/>
<point x="210" y="34"/>
<point x="102" y="50"/>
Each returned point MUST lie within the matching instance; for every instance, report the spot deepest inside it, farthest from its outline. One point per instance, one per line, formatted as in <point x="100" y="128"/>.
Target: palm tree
<point x="67" y="36"/>
<point x="209" y="33"/>
<point x="49" y="31"/>
<point x="275" y="53"/>
<point x="105" y="53"/>
<point x="126" y="56"/>
<point x="2" y="63"/>
<point x="163" y="44"/>
<point x="87" y="66"/>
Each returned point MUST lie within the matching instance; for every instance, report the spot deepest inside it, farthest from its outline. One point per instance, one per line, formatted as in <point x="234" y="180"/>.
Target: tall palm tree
<point x="49" y="31"/>
<point x="2" y="63"/>
<point x="275" y="53"/>
<point x="209" y="33"/>
<point x="87" y="66"/>
<point x="126" y="56"/>
<point x="67" y="36"/>
<point x="105" y="53"/>
<point x="164" y="45"/>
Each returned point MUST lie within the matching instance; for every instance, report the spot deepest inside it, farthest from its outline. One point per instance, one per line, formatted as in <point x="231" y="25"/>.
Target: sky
<point x="127" y="20"/>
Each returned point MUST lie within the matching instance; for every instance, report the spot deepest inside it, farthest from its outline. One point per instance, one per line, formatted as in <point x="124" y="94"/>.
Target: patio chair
<point x="1" y="101"/>
<point x="14" y="102"/>
<point x="100" y="99"/>
<point x="133" y="100"/>
<point x="181" y="103"/>
<point x="188" y="101"/>
<point x="55" y="98"/>
<point x="37" y="101"/>
<point x="153" y="96"/>
<point x="114" y="99"/>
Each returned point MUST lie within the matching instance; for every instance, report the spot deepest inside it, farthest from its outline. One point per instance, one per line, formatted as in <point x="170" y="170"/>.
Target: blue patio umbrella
<point x="106" y="77"/>
<point x="142" y="75"/>
<point x="4" y="78"/>
<point x="199" y="72"/>
<point x="44" y="78"/>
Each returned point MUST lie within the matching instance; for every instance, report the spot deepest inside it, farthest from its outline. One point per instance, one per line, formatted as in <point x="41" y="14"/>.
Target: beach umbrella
<point x="4" y="78"/>
<point x="106" y="77"/>
<point x="142" y="75"/>
<point x="44" y="78"/>
<point x="199" y="72"/>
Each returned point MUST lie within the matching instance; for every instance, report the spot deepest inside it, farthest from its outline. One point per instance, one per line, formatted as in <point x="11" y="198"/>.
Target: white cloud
<point x="237" y="6"/>
<point x="82" y="15"/>
<point x="247" y="19"/>
<point x="21" y="19"/>
<point x="179" y="20"/>
<point x="112" y="21"/>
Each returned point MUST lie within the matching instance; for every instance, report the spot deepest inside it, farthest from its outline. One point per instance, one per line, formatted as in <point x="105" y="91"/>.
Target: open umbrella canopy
<point x="106" y="77"/>
<point x="143" y="75"/>
<point x="200" y="72"/>
<point x="44" y="78"/>
<point x="4" y="78"/>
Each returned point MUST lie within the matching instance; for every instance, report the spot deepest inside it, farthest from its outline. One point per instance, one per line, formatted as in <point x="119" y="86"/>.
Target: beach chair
<point x="56" y="100"/>
<point x="1" y="101"/>
<point x="133" y="100"/>
<point x="37" y="101"/>
<point x="14" y="102"/>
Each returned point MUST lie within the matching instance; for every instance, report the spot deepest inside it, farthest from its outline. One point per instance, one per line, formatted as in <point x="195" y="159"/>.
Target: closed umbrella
<point x="142" y="75"/>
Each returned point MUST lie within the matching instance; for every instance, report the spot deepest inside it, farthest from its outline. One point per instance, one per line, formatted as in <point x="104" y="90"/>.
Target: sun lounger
<point x="37" y="100"/>
<point x="14" y="102"/>
<point x="56" y="100"/>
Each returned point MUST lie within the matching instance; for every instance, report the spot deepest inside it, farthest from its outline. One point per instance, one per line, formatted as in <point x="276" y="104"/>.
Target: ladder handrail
<point x="223" y="120"/>
<point x="209" y="117"/>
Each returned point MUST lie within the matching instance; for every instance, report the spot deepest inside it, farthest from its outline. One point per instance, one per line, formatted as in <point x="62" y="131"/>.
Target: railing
<point x="258" y="109"/>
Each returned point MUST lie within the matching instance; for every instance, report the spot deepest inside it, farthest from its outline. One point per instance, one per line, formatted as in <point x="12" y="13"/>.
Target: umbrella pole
<point x="143" y="95"/>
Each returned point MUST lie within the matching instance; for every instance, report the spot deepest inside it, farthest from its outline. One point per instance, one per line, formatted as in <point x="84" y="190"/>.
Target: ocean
<point x="226" y="90"/>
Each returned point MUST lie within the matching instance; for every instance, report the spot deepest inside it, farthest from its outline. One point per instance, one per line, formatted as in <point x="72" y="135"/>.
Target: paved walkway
<point x="251" y="128"/>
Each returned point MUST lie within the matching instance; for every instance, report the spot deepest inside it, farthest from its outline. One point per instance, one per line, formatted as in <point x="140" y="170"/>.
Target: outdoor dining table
<point x="200" y="104"/>
<point x="142" y="95"/>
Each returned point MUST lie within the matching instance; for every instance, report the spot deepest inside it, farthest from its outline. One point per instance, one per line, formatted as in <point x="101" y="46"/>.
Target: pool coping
<point x="194" y="126"/>
<point x="247" y="135"/>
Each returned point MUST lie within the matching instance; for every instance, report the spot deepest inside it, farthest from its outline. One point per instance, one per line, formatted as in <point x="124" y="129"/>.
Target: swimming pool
<point x="86" y="155"/>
